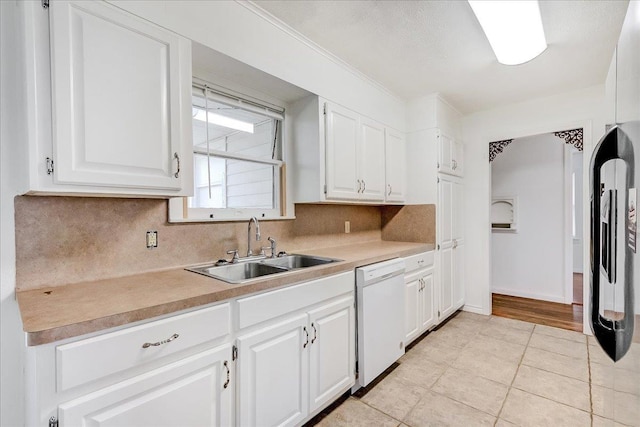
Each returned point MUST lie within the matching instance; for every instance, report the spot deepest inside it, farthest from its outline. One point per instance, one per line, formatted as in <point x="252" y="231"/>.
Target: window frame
<point x="179" y="211"/>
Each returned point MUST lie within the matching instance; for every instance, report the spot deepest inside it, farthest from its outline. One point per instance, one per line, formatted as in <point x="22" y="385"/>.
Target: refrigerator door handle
<point x="614" y="335"/>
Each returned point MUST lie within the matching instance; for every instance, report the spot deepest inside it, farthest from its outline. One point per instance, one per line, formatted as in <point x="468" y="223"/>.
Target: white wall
<point x="11" y="336"/>
<point x="583" y="108"/>
<point x="578" y="244"/>
<point x="530" y="263"/>
<point x="245" y="33"/>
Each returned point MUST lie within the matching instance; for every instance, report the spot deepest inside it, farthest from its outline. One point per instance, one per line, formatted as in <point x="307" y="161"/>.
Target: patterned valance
<point x="573" y="137"/>
<point x="496" y="148"/>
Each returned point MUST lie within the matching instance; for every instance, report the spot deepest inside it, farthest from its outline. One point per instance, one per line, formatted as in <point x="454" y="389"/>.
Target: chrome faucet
<point x="254" y="219"/>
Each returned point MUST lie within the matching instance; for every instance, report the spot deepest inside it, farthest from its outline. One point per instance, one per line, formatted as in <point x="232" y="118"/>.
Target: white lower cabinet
<point x="420" y="302"/>
<point x="332" y="351"/>
<point x="290" y="370"/>
<point x="191" y="392"/>
<point x="287" y="355"/>
<point x="273" y="374"/>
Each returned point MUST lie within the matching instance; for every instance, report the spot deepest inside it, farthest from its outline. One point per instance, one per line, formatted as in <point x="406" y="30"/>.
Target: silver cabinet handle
<point x="389" y="190"/>
<point x="307" y="334"/>
<point x="155" y="344"/>
<point x="175" y="156"/>
<point x="364" y="186"/>
<point x="455" y="243"/>
<point x="359" y="186"/>
<point x="226" y="383"/>
<point x="315" y="333"/>
<point x="455" y="164"/>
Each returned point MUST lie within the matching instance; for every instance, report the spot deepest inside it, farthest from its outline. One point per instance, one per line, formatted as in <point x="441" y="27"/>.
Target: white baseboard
<point x="476" y="309"/>
<point x="532" y="295"/>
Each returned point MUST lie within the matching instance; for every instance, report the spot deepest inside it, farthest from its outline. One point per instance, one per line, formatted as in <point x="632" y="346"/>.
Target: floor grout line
<point x="514" y="376"/>
<point x="590" y="387"/>
<point x="448" y="366"/>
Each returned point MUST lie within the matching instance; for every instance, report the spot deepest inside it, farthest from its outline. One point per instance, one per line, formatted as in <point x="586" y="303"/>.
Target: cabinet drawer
<point x="255" y="309"/>
<point x="416" y="262"/>
<point x="93" y="358"/>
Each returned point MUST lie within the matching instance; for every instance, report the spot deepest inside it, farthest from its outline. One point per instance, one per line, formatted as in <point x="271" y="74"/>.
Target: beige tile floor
<point x="492" y="371"/>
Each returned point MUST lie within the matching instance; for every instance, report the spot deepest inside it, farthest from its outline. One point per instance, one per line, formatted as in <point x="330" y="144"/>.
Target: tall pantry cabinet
<point x="436" y="176"/>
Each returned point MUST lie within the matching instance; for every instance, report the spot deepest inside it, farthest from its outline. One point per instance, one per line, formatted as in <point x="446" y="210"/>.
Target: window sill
<point x="236" y="219"/>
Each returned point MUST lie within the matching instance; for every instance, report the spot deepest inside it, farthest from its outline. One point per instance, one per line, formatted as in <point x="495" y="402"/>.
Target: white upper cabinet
<point x="355" y="156"/>
<point x="339" y="155"/>
<point x="450" y="153"/>
<point x="119" y="101"/>
<point x="371" y="161"/>
<point x="396" y="166"/>
<point x="343" y="180"/>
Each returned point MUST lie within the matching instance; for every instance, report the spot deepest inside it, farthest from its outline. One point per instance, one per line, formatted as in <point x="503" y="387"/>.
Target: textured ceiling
<point x="415" y="48"/>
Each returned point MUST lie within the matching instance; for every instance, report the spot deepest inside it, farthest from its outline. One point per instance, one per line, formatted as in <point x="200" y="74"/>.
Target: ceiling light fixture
<point x="514" y="28"/>
<point x="217" y="119"/>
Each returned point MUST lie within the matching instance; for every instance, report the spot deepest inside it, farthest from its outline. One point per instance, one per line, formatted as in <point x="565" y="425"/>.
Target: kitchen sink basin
<point x="238" y="273"/>
<point x="243" y="271"/>
<point x="298" y="261"/>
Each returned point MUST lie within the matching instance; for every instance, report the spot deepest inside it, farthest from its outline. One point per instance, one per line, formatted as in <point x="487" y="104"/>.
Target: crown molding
<point x="284" y="27"/>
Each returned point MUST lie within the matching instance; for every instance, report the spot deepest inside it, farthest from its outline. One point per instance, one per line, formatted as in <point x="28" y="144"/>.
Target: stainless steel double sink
<point x="243" y="271"/>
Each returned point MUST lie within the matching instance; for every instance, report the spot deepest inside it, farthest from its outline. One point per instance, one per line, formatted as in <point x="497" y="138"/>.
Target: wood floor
<point x="578" y="283"/>
<point x="563" y="316"/>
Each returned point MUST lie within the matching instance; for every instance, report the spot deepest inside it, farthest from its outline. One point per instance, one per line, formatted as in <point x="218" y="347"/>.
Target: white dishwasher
<point x="380" y="318"/>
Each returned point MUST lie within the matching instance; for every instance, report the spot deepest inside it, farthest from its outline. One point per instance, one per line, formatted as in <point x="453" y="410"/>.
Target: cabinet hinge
<point x="234" y="353"/>
<point x="49" y="166"/>
<point x="325" y="189"/>
<point x="53" y="422"/>
<point x="438" y="178"/>
<point x="45" y="4"/>
<point x="438" y="313"/>
<point x="324" y="109"/>
<point x="438" y="247"/>
<point x="438" y="165"/>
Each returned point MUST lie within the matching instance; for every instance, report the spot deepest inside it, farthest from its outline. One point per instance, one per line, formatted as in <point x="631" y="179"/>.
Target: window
<point x="237" y="158"/>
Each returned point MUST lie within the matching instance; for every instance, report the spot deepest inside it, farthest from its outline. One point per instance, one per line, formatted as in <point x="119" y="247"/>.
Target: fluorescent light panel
<point x="223" y="121"/>
<point x="514" y="28"/>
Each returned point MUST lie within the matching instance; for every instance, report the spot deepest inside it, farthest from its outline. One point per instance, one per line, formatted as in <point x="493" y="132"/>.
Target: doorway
<point x="537" y="228"/>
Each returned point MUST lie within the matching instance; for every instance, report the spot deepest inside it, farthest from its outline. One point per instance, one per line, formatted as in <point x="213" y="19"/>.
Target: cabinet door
<point x="427" y="312"/>
<point x="412" y="307"/>
<point x="450" y="233"/>
<point x="457" y="210"/>
<point x="446" y="294"/>
<point x="395" y="167"/>
<point x="332" y="351"/>
<point x="121" y="91"/>
<point x="458" y="275"/>
<point x="273" y="374"/>
<point x="445" y="216"/>
<point x="445" y="154"/>
<point x="457" y="158"/>
<point x="190" y="392"/>
<point x="371" y="162"/>
<point x="342" y="127"/>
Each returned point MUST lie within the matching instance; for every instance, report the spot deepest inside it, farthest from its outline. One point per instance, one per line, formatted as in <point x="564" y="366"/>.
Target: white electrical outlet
<point x="347" y="227"/>
<point x="152" y="239"/>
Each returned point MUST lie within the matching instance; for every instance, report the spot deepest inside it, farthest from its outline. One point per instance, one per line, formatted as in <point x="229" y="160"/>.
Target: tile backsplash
<point x="62" y="240"/>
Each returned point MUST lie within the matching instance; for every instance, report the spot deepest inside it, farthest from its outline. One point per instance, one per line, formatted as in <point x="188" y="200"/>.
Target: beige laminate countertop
<point x="52" y="314"/>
